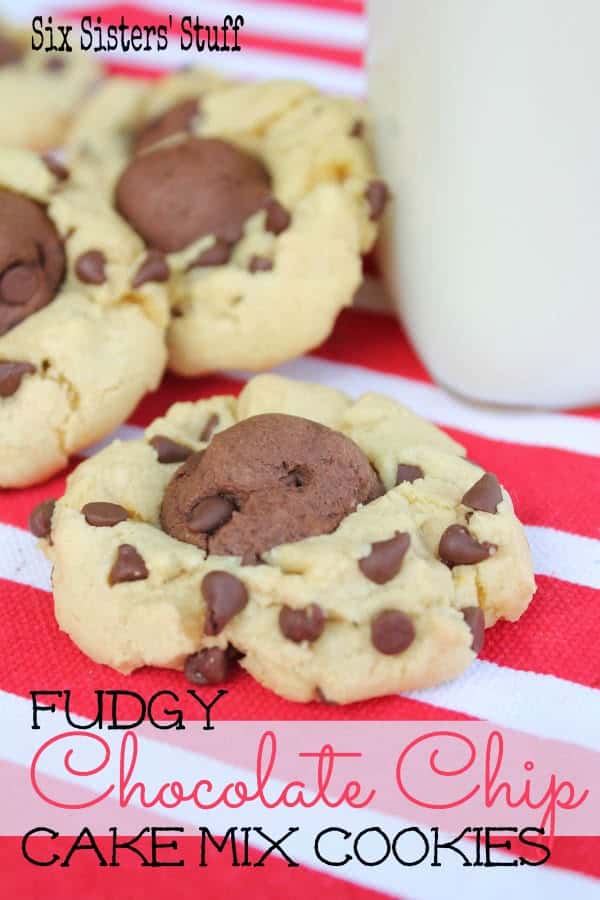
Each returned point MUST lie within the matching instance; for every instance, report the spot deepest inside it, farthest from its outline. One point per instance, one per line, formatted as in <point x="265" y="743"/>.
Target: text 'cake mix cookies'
<point x="40" y="92"/>
<point x="258" y="199"/>
<point x="79" y="346"/>
<point x="336" y="549"/>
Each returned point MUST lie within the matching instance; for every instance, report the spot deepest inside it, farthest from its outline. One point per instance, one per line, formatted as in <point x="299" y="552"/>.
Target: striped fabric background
<point x="540" y="676"/>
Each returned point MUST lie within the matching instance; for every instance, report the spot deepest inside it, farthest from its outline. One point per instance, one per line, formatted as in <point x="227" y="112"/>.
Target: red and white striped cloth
<point x="540" y="676"/>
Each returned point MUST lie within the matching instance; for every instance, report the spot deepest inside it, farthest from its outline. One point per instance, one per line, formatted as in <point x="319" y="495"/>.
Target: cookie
<point x="39" y="91"/>
<point x="333" y="548"/>
<point x="77" y="341"/>
<point x="263" y="198"/>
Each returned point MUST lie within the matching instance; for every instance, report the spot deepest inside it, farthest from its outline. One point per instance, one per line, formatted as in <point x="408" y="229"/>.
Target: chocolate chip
<point x="10" y="51"/>
<point x="321" y="698"/>
<point x="11" y="376"/>
<point x="358" y="129"/>
<point x="278" y="218"/>
<point x="104" y="515"/>
<point x="210" y="666"/>
<point x="32" y="259"/>
<point x="209" y="514"/>
<point x="385" y="559"/>
<point x="392" y="632"/>
<point x="153" y="269"/>
<point x="405" y="472"/>
<point x="169" y="451"/>
<point x="302" y="624"/>
<point x="55" y="166"/>
<point x="485" y="495"/>
<point x="377" y="196"/>
<point x="211" y="424"/>
<point x="40" y="520"/>
<point x="89" y="267"/>
<point x="128" y="566"/>
<point x="474" y="618"/>
<point x="54" y="64"/>
<point x="225" y="596"/>
<point x="260" y="264"/>
<point x="458" y="547"/>
<point x="176" y="120"/>
<point x="216" y="255"/>
<point x="176" y="194"/>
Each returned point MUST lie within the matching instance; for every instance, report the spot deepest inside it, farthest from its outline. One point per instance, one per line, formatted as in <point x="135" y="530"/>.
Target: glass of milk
<point x="487" y="118"/>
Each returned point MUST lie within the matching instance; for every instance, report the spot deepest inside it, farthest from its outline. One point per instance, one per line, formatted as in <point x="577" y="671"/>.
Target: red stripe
<point x="178" y="390"/>
<point x="248" y="39"/>
<point x="353" y="7"/>
<point x="375" y="341"/>
<point x="130" y="881"/>
<point x="549" y="487"/>
<point x="122" y="69"/>
<point x="558" y="635"/>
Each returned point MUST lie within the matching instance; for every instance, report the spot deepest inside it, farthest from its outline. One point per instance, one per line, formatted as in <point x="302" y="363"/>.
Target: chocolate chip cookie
<point x="39" y="91"/>
<point x="261" y="198"/>
<point x="77" y="341"/>
<point x="335" y="549"/>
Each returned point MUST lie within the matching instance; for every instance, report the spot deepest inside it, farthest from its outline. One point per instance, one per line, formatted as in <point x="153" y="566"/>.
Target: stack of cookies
<point x="336" y="549"/>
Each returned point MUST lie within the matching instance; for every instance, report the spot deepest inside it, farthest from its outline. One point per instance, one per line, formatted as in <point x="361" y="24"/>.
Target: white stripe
<point x="21" y="561"/>
<point x="158" y="761"/>
<point x="577" y="434"/>
<point x="527" y="701"/>
<point x="565" y="556"/>
<point x="122" y="433"/>
<point x="542" y="429"/>
<point x="543" y="705"/>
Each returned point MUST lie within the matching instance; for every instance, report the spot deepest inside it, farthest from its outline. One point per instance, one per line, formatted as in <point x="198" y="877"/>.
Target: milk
<point x="487" y="120"/>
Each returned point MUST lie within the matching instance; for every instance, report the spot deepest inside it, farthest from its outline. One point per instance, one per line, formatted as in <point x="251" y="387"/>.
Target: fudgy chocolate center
<point x="269" y="480"/>
<point x="176" y="194"/>
<point x="32" y="259"/>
